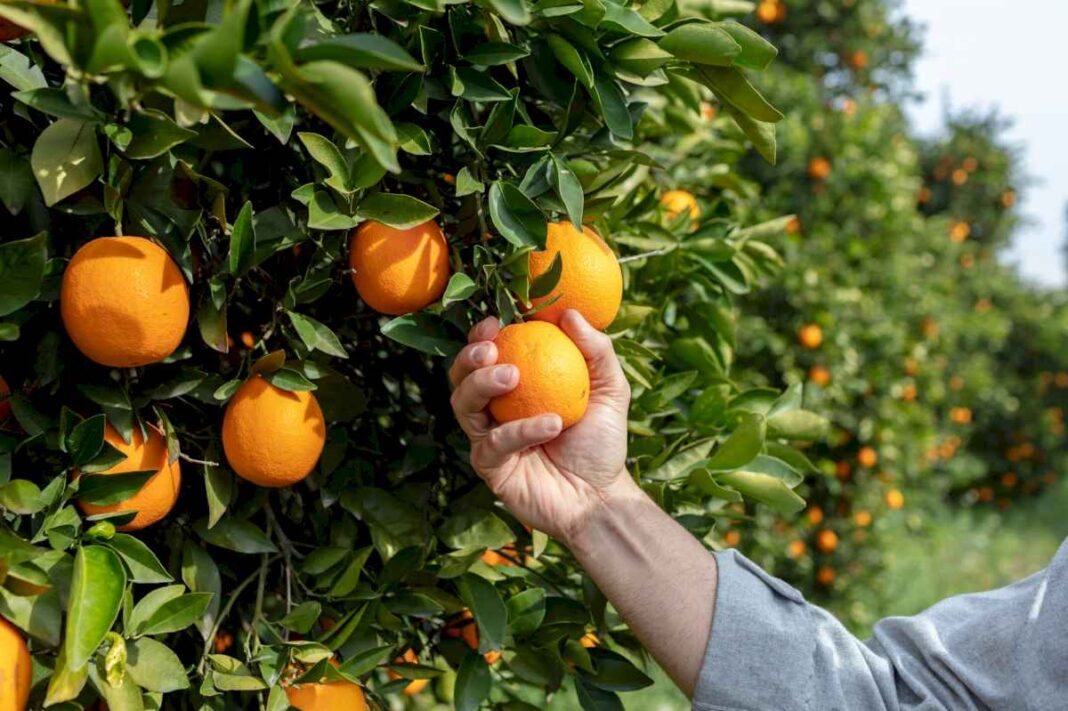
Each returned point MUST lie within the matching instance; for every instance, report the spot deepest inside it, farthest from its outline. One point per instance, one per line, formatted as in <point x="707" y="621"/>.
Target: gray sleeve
<point x="771" y="650"/>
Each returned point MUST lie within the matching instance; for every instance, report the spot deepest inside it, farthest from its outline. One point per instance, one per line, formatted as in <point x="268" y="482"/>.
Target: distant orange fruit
<point x="825" y="576"/>
<point x="909" y="393"/>
<point x="819" y="375"/>
<point x="956" y="382"/>
<point x="1008" y="199"/>
<point x="415" y="685"/>
<point x="708" y="111"/>
<point x="553" y="377"/>
<point x="16" y="668"/>
<point x="448" y="179"/>
<point x="124" y="302"/>
<point x="677" y="202"/>
<point x="157" y="496"/>
<point x="924" y="196"/>
<point x="983" y="305"/>
<point x="959" y="176"/>
<point x="247" y="339"/>
<point x="862" y="519"/>
<point x="810" y="336"/>
<point x="849" y="107"/>
<point x="767" y="11"/>
<point x="826" y="541"/>
<point x="842" y="470"/>
<point x="960" y="415"/>
<point x="591" y="281"/>
<point x="223" y="642"/>
<point x="858" y="59"/>
<point x="819" y="168"/>
<point x="796" y="549"/>
<point x="967" y="261"/>
<point x="959" y="231"/>
<point x="970" y="164"/>
<point x="895" y="499"/>
<point x="464" y="627"/>
<point x="867" y="457"/>
<point x="929" y="327"/>
<point x="397" y="271"/>
<point x="911" y="366"/>
<point x="732" y="538"/>
<point x="272" y="437"/>
<point x="793" y="226"/>
<point x="1009" y="480"/>
<point x="589" y="640"/>
<point x="815" y="515"/>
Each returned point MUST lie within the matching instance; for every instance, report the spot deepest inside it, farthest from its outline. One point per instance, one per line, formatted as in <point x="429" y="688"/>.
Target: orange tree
<point x="260" y="158"/>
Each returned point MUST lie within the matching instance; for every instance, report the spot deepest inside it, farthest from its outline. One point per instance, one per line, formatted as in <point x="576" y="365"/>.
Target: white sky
<point x="977" y="54"/>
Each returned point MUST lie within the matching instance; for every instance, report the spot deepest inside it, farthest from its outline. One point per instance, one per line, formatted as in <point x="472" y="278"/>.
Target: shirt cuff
<point x="760" y="652"/>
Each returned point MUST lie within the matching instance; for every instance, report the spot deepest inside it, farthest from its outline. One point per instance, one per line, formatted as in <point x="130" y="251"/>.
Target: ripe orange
<point x="15" y="668"/>
<point x="819" y="375"/>
<point x="591" y="281"/>
<point x="676" y="202"/>
<point x="222" y="642"/>
<point x="327" y="696"/>
<point x="843" y="470"/>
<point x="157" y="496"/>
<point x="553" y="377"/>
<point x="815" y="515"/>
<point x="959" y="231"/>
<point x="810" y="336"/>
<point x="826" y="541"/>
<point x="909" y="393"/>
<point x="247" y="339"/>
<point x="961" y="415"/>
<point x="1008" y="199"/>
<point x="399" y="271"/>
<point x="272" y="437"/>
<point x="464" y="627"/>
<point x="416" y="685"/>
<point x="589" y="640"/>
<point x="5" y="402"/>
<point x="796" y="549"/>
<point x="767" y="11"/>
<point x="505" y="558"/>
<point x="862" y="519"/>
<point x="825" y="576"/>
<point x="124" y="301"/>
<point x="959" y="176"/>
<point x="895" y="499"/>
<point x="732" y="538"/>
<point x="858" y="59"/>
<point x="819" y="168"/>
<point x="867" y="457"/>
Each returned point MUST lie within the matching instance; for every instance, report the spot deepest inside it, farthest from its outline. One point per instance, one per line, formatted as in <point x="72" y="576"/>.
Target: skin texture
<point x="676" y="202"/>
<point x="591" y="280"/>
<point x="399" y="271"/>
<point x="15" y="668"/>
<point x="273" y="437"/>
<point x="157" y="496"/>
<point x="573" y="485"/>
<point x="552" y="370"/>
<point x="327" y="696"/>
<point x="416" y="685"/>
<point x="124" y="302"/>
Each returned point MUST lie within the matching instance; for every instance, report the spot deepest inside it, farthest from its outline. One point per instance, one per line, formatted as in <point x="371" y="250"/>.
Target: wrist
<point x="607" y="508"/>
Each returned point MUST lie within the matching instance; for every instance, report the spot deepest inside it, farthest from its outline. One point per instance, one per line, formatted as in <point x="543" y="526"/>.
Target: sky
<point x="982" y="54"/>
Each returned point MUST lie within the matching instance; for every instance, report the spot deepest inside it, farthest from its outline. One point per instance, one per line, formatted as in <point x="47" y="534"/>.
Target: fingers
<point x="512" y="438"/>
<point x="485" y="330"/>
<point x="474" y="392"/>
<point x="472" y="357"/>
<point x="606" y="375"/>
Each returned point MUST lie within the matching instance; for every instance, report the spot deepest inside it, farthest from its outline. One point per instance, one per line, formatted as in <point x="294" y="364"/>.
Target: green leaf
<point x="614" y="672"/>
<point x="516" y="216"/>
<point x="153" y="134"/>
<point x="96" y="591"/>
<point x="490" y="54"/>
<point x="573" y="59"/>
<point x="475" y="528"/>
<point x="235" y="534"/>
<point x="489" y="610"/>
<point x="460" y="288"/>
<point x="110" y="489"/>
<point x="764" y="488"/>
<point x="16" y="183"/>
<point x="21" y="496"/>
<point x="568" y="188"/>
<point x="65" y="159"/>
<point x="761" y="133"/>
<point x="153" y="666"/>
<point x="394" y="524"/>
<point x="328" y="155"/>
<point x="148" y="604"/>
<point x="289" y="379"/>
<point x="625" y="19"/>
<point x="142" y="563"/>
<point x="86" y="439"/>
<point x="639" y="56"/>
<point x="317" y="336"/>
<point x="40" y="615"/>
<point x="218" y="488"/>
<point x="175" y="614"/>
<point x="473" y="683"/>
<point x="741" y="447"/>
<point x="702" y="43"/>
<point x="798" y="425"/>
<point x="756" y="52"/>
<point x="242" y="241"/>
<point x="515" y="12"/>
<point x="200" y="574"/>
<point x="362" y="51"/>
<point x="545" y="282"/>
<point x="400" y="211"/>
<point x="302" y="617"/>
<point x="473" y="85"/>
<point x="65" y="682"/>
<point x="612" y="103"/>
<point x="22" y="264"/>
<point x="526" y="610"/>
<point x="57" y="102"/>
<point x="731" y="87"/>
<point x="423" y="332"/>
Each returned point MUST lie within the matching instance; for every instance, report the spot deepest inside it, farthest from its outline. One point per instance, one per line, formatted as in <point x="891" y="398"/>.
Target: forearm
<point x="655" y="573"/>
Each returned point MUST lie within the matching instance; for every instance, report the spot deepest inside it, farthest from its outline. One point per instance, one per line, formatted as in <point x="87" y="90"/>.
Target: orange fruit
<point x="810" y="336"/>
<point x="815" y="515"/>
<point x="222" y="642"/>
<point x="895" y="499"/>
<point x="924" y="195"/>
<point x="1008" y="199"/>
<point x="247" y="339"/>
<point x="961" y="415"/>
<point x="1009" y="480"/>
<point x="732" y="538"/>
<point x="5" y="401"/>
<point x="464" y="627"/>
<point x="796" y="549"/>
<point x="15" y="668"/>
<point x="553" y="377"/>
<point x="909" y="393"/>
<point x="327" y="696"/>
<point x="708" y="111"/>
<point x="591" y="281"/>
<point x="416" y="685"/>
<point x="819" y="168"/>
<point x="767" y="11"/>
<point x="589" y="640"/>
<point x="124" y="301"/>
<point x="826" y="541"/>
<point x="504" y="558"/>
<point x="272" y="437"/>
<point x="858" y="59"/>
<point x="867" y="457"/>
<point x="157" y="496"/>
<point x="396" y="271"/>
<point x="959" y="176"/>
<point x="862" y="519"/>
<point x="819" y="375"/>
<point x="959" y="231"/>
<point x="970" y="164"/>
<point x="676" y="202"/>
<point x="825" y="576"/>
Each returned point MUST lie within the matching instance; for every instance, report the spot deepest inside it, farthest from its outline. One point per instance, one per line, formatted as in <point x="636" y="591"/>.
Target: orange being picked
<point x="677" y="202"/>
<point x="464" y="627"/>
<point x="399" y="271"/>
<point x="15" y="668"/>
<point x="273" y="437"/>
<point x="327" y="696"/>
<point x="553" y="377"/>
<point x="591" y="281"/>
<point x="416" y="685"/>
<point x="124" y="301"/>
<point x="810" y="336"/>
<point x="157" y="496"/>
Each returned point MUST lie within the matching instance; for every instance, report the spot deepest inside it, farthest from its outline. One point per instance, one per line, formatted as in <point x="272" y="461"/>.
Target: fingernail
<point x="505" y="374"/>
<point x="478" y="353"/>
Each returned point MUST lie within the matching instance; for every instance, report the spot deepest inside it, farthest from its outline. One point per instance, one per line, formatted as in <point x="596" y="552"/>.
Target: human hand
<point x="550" y="479"/>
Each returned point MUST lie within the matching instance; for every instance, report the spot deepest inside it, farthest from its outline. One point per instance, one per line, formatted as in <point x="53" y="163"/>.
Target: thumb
<point x="606" y="375"/>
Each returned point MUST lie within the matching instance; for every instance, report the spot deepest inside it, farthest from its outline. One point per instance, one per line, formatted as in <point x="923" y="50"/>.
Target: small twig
<point x="644" y="255"/>
<point x="187" y="458"/>
<point x="222" y="615"/>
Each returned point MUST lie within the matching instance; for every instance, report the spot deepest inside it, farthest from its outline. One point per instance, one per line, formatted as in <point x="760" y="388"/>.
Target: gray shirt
<point x="771" y="651"/>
